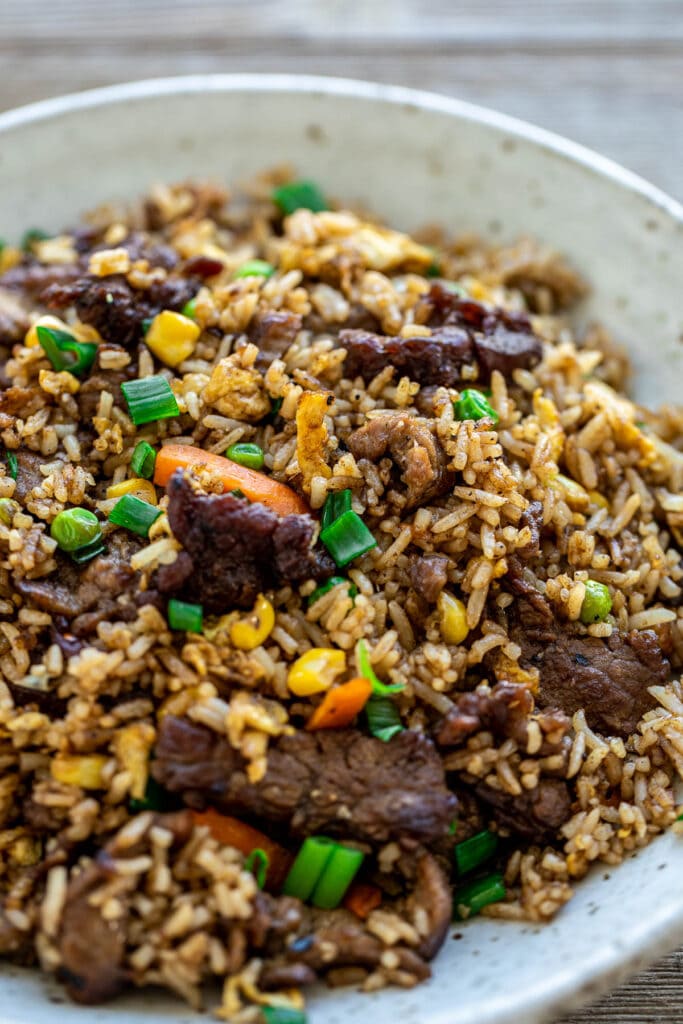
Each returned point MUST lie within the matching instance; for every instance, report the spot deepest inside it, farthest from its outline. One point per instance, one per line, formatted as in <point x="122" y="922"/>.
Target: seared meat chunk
<point x="536" y="814"/>
<point x="608" y="678"/>
<point x="432" y="895"/>
<point x="533" y="518"/>
<point x="273" y="332"/>
<point x="115" y="308"/>
<point x="14" y="321"/>
<point x="32" y="278"/>
<point x="28" y="467"/>
<point x="435" y="360"/>
<point x="337" y="783"/>
<point x="234" y="550"/>
<point x="414" y="448"/>
<point x="428" y="575"/>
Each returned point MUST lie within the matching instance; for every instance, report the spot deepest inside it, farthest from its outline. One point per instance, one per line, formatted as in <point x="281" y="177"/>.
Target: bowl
<point x="413" y="157"/>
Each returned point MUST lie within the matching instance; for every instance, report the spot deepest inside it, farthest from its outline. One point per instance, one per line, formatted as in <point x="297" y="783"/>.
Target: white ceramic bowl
<point x="413" y="157"/>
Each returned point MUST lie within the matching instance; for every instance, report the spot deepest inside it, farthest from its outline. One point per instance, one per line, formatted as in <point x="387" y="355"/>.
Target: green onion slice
<point x="156" y="798"/>
<point x="476" y="850"/>
<point x="347" y="538"/>
<point x="31" y="236"/>
<point x="308" y="867"/>
<point x="470" y="899"/>
<point x="327" y="586"/>
<point x="134" y="514"/>
<point x="149" y="399"/>
<point x="274" y="409"/>
<point x="336" y="504"/>
<point x="182" y="615"/>
<point x="472" y="405"/>
<point x="246" y="454"/>
<point x="143" y="459"/>
<point x="282" y="1015"/>
<point x="338" y="873"/>
<point x="12" y="463"/>
<point x="383" y="718"/>
<point x="190" y="308"/>
<point x="75" y="528"/>
<point x="254" y="268"/>
<point x="88" y="551"/>
<point x="297" y="195"/>
<point x="258" y="863"/>
<point x="65" y="352"/>
<point x="379" y="689"/>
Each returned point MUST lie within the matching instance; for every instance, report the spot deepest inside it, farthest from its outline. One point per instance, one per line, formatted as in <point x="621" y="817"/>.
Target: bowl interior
<point x="413" y="159"/>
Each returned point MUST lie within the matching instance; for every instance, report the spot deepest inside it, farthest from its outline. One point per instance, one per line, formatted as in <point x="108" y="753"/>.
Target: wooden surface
<point x="608" y="73"/>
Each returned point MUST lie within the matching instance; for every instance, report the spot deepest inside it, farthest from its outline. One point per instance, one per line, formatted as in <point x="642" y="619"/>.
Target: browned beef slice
<point x="33" y="278"/>
<point x="273" y="333"/>
<point x="234" y="549"/>
<point x="414" y="448"/>
<point x="14" y="321"/>
<point x="533" y="518"/>
<point x="535" y="814"/>
<point x="608" y="678"/>
<point x="432" y="894"/>
<point x="115" y="308"/>
<point x="28" y="471"/>
<point x="338" y="783"/>
<point x="435" y="360"/>
<point x="344" y="942"/>
<point x="428" y="575"/>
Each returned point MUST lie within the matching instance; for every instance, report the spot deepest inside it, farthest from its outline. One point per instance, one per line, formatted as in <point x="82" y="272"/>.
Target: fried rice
<point x="425" y="617"/>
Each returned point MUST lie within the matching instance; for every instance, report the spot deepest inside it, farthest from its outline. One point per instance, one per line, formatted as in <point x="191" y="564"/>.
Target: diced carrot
<point x="362" y="899"/>
<point x="255" y="486"/>
<point x="341" y="704"/>
<point x="232" y="832"/>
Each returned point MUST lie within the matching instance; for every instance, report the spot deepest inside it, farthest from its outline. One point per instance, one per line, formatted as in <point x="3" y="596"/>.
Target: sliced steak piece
<point x="435" y="360"/>
<point x="273" y="333"/>
<point x="28" y="470"/>
<point x="428" y="576"/>
<point x="234" y="549"/>
<point x="535" y="814"/>
<point x="32" y="278"/>
<point x="433" y="896"/>
<point x="608" y="678"/>
<point x="337" y="783"/>
<point x="413" y="447"/>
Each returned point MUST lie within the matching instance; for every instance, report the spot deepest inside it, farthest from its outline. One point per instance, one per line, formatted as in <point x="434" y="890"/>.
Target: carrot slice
<point x="362" y="898"/>
<point x="341" y="704"/>
<point x="233" y="832"/>
<point x="255" y="486"/>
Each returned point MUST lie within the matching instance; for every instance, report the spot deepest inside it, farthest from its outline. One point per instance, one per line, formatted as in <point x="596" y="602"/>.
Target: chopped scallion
<point x="347" y="538"/>
<point x="134" y="514"/>
<point x="88" y="551"/>
<point x="297" y="195"/>
<point x="254" y="268"/>
<point x="258" y="863"/>
<point x="33" y="235"/>
<point x="274" y="409"/>
<point x="338" y="873"/>
<point x="12" y="463"/>
<point x="308" y="867"/>
<point x="384" y="721"/>
<point x="143" y="460"/>
<point x="322" y="872"/>
<point x="146" y="323"/>
<point x="476" y="850"/>
<point x="365" y="669"/>
<point x="325" y="588"/>
<point x="149" y="398"/>
<point x="471" y="898"/>
<point x="336" y="504"/>
<point x="246" y="454"/>
<point x="183" y="615"/>
<point x="156" y="798"/>
<point x="472" y="405"/>
<point x="282" y="1015"/>
<point x="65" y="352"/>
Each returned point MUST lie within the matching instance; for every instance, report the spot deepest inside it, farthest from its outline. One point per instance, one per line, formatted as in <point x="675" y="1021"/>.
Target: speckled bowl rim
<point x="664" y="929"/>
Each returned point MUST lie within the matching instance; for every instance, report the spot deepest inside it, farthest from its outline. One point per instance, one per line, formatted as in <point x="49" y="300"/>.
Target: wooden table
<point x="608" y="73"/>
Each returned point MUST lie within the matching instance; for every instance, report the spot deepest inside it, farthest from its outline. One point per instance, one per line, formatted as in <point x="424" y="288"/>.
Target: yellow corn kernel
<point x="83" y="770"/>
<point x="452" y="618"/>
<point x="132" y="746"/>
<point x="251" y="631"/>
<point x="315" y="671"/>
<point x="81" y="332"/>
<point x="172" y="337"/>
<point x="139" y="488"/>
<point x="598" y="499"/>
<point x="10" y="256"/>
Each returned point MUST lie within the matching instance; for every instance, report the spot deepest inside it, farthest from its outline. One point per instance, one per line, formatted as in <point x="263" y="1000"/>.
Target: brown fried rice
<point x="490" y="535"/>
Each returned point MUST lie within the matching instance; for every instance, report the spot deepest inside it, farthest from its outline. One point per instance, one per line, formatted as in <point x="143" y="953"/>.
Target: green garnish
<point x="472" y="405"/>
<point x="336" y="504"/>
<point x="88" y="551"/>
<point x="379" y="689"/>
<point x="190" y="308"/>
<point x="65" y="352"/>
<point x="308" y="867"/>
<point x="325" y="588"/>
<point x="476" y="850"/>
<point x="470" y="899"/>
<point x="143" y="460"/>
<point x="347" y="538"/>
<point x="282" y="1015"/>
<point x="156" y="798"/>
<point x="134" y="514"/>
<point x="296" y="195"/>
<point x="322" y="872"/>
<point x="149" y="399"/>
<point x="75" y="528"/>
<point x="597" y="603"/>
<point x="254" y="268"/>
<point x="12" y="464"/>
<point x="31" y="236"/>
<point x="383" y="718"/>
<point x="146" y="323"/>
<point x="185" y="616"/>
<point x="246" y="454"/>
<point x="258" y="863"/>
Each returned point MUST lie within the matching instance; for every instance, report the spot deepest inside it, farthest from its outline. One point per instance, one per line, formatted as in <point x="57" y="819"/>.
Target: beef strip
<point x="435" y="360"/>
<point x="273" y="333"/>
<point x="536" y="814"/>
<point x="33" y="278"/>
<point x="115" y="308"/>
<point x="413" y="447"/>
<point x="432" y="895"/>
<point x="428" y="575"/>
<point x="28" y="470"/>
<point x="337" y="783"/>
<point x="234" y="549"/>
<point x="608" y="678"/>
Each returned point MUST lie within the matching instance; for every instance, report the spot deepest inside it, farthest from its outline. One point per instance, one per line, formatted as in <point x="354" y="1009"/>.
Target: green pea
<point x="8" y="509"/>
<point x="74" y="528"/>
<point x="249" y="455"/>
<point x="597" y="603"/>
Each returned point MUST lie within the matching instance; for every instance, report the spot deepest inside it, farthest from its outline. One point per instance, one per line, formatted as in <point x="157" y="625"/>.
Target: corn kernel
<point x="10" y="256"/>
<point x="81" y="332"/>
<point x="452" y="618"/>
<point x="79" y="770"/>
<point x="172" y="337"/>
<point x="252" y="631"/>
<point x="142" y="489"/>
<point x="315" y="671"/>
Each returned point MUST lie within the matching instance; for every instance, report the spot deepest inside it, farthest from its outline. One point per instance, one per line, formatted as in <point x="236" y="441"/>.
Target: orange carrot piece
<point x="233" y="832"/>
<point x="256" y="486"/>
<point x="362" y="898"/>
<point x="341" y="704"/>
